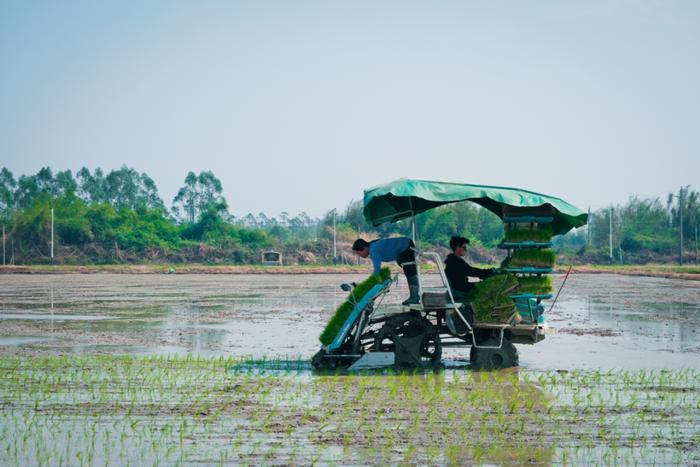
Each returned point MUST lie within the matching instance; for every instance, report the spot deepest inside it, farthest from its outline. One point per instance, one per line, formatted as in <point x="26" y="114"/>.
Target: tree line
<point x="119" y="217"/>
<point x="662" y="230"/>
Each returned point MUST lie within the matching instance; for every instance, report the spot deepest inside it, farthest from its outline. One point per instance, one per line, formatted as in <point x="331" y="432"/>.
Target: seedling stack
<point x="527" y="239"/>
<point x="491" y="299"/>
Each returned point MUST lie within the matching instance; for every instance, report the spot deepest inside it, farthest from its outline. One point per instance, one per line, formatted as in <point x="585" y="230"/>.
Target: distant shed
<point x="271" y="258"/>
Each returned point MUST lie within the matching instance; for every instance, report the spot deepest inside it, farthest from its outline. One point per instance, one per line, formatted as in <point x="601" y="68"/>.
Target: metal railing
<point x="452" y="304"/>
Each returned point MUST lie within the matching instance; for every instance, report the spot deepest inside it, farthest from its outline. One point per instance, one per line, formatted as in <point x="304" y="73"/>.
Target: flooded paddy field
<point x="641" y="322"/>
<point x="213" y="369"/>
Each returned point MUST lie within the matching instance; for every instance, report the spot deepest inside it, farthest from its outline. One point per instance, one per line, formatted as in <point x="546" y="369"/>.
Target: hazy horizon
<point x="299" y="107"/>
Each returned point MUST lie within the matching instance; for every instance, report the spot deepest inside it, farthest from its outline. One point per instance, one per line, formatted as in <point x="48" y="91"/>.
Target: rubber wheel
<point x="411" y="326"/>
<point x="431" y="347"/>
<point x="491" y="359"/>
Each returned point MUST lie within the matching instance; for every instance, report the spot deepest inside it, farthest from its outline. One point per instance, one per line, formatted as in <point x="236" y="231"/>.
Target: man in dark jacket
<point x="458" y="271"/>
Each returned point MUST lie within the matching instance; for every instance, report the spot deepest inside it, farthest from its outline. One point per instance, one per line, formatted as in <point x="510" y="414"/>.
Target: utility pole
<point x="696" y="244"/>
<point x="3" y="244"/>
<point x="334" y="247"/>
<point x="51" y="235"/>
<point x="589" y="226"/>
<point x="611" y="216"/>
<point x="680" y="208"/>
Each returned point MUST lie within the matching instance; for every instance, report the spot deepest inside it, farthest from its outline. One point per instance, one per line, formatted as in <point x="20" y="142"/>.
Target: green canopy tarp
<point x="404" y="198"/>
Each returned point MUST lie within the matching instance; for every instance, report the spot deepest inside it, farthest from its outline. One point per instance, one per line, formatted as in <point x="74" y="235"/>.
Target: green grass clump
<point x="534" y="258"/>
<point x="541" y="234"/>
<point x="538" y="285"/>
<point x="345" y="308"/>
<point x="490" y="299"/>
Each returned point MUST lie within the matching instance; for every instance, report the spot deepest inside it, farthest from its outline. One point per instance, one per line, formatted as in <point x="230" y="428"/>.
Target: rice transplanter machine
<point x="375" y="333"/>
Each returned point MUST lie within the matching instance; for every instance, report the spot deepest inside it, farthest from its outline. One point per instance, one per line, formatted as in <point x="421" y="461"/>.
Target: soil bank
<point x="654" y="270"/>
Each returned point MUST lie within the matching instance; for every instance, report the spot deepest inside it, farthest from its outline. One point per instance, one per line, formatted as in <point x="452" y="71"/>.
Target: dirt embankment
<point x="647" y="271"/>
<point x="182" y="269"/>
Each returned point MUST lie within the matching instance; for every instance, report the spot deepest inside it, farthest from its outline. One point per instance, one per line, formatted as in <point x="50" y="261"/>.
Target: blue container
<point x="529" y="309"/>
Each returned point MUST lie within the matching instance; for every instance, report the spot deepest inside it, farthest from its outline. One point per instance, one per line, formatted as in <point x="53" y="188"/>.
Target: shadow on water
<point x="283" y="367"/>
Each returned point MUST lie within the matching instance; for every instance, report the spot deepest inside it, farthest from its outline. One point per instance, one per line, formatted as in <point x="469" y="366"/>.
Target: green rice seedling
<point x="531" y="258"/>
<point x="495" y="408"/>
<point x="538" y="285"/>
<point x="491" y="298"/>
<point x="541" y="234"/>
<point x="344" y="310"/>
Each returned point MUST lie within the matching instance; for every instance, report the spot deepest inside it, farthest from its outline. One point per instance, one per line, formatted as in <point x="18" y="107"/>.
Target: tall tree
<point x="8" y="185"/>
<point x="122" y="188"/>
<point x="186" y="199"/>
<point x="148" y="193"/>
<point x="210" y="192"/>
<point x="200" y="194"/>
<point x="355" y="217"/>
<point x="687" y="207"/>
<point x="91" y="188"/>
<point x="43" y="182"/>
<point x="65" y="184"/>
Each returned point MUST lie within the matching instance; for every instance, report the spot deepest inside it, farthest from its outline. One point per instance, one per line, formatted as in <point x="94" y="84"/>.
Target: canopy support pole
<point x="415" y="242"/>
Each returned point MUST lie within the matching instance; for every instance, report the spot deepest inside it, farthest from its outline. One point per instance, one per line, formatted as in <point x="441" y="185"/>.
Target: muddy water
<point x="600" y="321"/>
<point x="611" y="321"/>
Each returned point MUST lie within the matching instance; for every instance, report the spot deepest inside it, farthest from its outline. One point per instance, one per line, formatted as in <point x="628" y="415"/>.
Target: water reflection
<point x="588" y="332"/>
<point x="600" y="321"/>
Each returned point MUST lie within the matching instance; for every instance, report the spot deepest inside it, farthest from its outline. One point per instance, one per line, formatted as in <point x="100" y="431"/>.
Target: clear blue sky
<point x="299" y="106"/>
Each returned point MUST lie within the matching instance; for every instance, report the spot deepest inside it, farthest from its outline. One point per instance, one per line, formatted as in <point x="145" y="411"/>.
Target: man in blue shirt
<point x="399" y="249"/>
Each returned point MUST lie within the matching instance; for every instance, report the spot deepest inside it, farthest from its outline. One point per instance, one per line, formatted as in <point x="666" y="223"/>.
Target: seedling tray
<point x="530" y="295"/>
<point x="530" y="270"/>
<point x="525" y="244"/>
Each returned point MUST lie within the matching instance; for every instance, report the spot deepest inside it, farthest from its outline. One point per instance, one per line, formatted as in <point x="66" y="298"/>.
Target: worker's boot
<point x="414" y="290"/>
